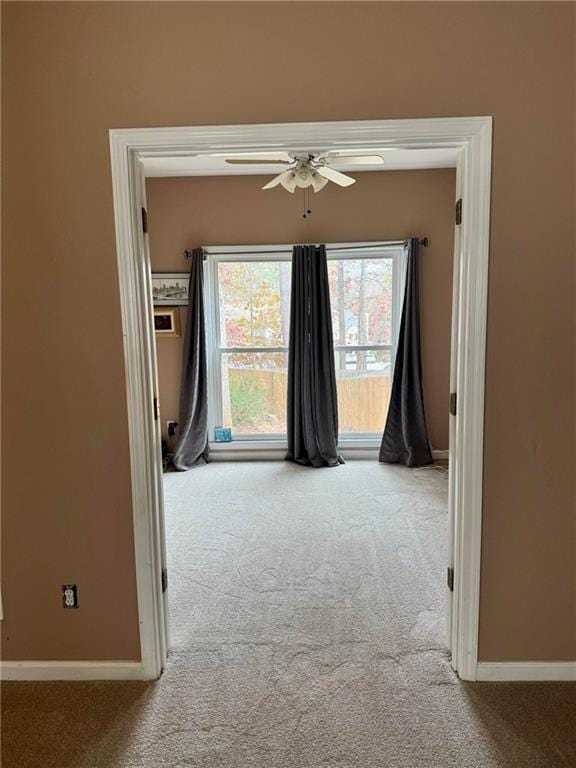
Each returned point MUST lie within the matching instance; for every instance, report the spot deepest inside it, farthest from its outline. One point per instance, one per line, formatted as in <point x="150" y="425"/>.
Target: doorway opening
<point x="133" y="154"/>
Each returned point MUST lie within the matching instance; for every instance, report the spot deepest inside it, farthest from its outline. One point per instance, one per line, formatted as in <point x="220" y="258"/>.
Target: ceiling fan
<point x="307" y="170"/>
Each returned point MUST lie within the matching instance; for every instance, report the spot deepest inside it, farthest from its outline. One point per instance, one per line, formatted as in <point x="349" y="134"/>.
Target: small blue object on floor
<point x="223" y="435"/>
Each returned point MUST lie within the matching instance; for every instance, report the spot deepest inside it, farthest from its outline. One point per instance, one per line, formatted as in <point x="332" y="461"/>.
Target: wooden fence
<point x="362" y="398"/>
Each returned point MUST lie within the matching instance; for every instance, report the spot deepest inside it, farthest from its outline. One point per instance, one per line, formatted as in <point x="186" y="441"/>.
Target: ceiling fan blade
<point x="270" y="161"/>
<point x="355" y="159"/>
<point x="338" y="178"/>
<point x="265" y="158"/>
<point x="359" y="151"/>
<point x="282" y="177"/>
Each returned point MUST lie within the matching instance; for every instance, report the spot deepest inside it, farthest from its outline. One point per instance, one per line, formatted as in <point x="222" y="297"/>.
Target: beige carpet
<point x="307" y="632"/>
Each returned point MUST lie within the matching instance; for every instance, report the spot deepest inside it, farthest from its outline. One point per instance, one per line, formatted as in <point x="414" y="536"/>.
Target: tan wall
<point x="391" y="205"/>
<point x="73" y="70"/>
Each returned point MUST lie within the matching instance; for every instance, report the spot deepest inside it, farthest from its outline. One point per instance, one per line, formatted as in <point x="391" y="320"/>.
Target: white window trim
<point x="215" y="255"/>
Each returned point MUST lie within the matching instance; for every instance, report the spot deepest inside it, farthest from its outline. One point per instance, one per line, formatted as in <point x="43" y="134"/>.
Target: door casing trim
<point x="473" y="137"/>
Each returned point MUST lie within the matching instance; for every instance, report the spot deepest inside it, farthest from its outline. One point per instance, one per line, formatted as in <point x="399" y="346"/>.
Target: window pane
<point x="254" y="303"/>
<point x="363" y="384"/>
<point x="361" y="299"/>
<point x="254" y="392"/>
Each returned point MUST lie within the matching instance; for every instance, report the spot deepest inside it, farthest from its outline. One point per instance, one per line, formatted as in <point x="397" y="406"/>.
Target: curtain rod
<point x="422" y="241"/>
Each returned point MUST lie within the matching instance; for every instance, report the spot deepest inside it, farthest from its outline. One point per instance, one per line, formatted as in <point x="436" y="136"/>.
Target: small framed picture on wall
<point x="170" y="288"/>
<point x="167" y="322"/>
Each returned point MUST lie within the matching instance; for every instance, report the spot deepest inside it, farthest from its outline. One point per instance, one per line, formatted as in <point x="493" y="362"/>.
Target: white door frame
<point x="473" y="136"/>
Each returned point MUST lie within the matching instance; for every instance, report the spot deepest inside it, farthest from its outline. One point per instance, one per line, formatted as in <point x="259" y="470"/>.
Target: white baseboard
<point x="487" y="671"/>
<point x="72" y="670"/>
<point x="278" y="454"/>
<point x="246" y="454"/>
<point x="494" y="671"/>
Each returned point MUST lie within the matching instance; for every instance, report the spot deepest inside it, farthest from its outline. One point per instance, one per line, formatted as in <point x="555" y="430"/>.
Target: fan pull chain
<point x="307" y="210"/>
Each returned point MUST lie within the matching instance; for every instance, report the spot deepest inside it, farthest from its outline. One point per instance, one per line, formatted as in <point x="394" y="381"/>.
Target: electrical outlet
<point x="171" y="427"/>
<point x="69" y="596"/>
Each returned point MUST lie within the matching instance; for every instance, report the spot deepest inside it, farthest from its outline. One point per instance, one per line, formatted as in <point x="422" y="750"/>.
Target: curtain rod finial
<point x="423" y="242"/>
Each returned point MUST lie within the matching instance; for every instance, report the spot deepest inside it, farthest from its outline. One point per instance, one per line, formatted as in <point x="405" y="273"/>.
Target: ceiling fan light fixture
<point x="318" y="182"/>
<point x="289" y="181"/>
<point x="280" y="179"/>
<point x="303" y="176"/>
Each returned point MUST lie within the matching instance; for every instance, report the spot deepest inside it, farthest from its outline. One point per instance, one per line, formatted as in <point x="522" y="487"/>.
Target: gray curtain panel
<point x="192" y="447"/>
<point x="312" y="403"/>
<point x="405" y="439"/>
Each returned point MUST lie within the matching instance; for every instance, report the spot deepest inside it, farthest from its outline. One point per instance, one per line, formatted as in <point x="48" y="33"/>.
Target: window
<point x="251" y="305"/>
<point x="248" y="311"/>
<point x="363" y="323"/>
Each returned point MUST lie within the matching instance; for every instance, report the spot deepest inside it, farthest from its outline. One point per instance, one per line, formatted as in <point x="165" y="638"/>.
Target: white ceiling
<point x="215" y="165"/>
